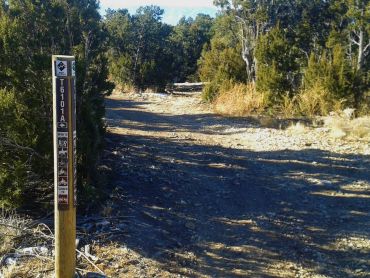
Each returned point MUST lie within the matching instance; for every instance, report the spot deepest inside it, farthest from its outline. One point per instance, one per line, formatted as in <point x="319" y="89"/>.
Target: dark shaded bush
<point x="30" y="33"/>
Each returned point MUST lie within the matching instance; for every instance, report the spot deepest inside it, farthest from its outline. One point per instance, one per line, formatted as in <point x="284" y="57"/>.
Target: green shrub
<point x="21" y="164"/>
<point x="221" y="68"/>
<point x="318" y="101"/>
<point x="277" y="70"/>
<point x="26" y="158"/>
<point x="332" y="72"/>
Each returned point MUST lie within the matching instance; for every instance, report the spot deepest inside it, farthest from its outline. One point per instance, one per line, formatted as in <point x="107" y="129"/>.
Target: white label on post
<point x="61" y="68"/>
<point x="73" y="68"/>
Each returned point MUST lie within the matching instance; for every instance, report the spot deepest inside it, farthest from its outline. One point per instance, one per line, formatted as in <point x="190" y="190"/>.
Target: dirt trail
<point x="206" y="196"/>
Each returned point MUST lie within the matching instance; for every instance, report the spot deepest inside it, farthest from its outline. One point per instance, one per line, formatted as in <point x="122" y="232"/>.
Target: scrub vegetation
<point x="277" y="58"/>
<point x="265" y="173"/>
<point x="30" y="32"/>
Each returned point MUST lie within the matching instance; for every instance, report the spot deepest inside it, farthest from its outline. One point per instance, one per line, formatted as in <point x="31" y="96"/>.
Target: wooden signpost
<point x="64" y="104"/>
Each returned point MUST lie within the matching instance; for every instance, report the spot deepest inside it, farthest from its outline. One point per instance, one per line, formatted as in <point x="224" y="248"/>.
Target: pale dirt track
<point x="205" y="196"/>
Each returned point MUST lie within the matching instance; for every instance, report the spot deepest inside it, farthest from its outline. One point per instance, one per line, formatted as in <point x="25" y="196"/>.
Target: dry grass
<point x="11" y="228"/>
<point x="125" y="88"/>
<point x="311" y="102"/>
<point x="30" y="267"/>
<point x="120" y="261"/>
<point x="343" y="127"/>
<point x="241" y="100"/>
<point x="288" y="106"/>
<point x="298" y="128"/>
<point x="317" y="101"/>
<point x="15" y="234"/>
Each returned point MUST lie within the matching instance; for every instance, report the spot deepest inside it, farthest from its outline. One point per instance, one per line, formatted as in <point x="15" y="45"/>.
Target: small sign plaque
<point x="65" y="131"/>
<point x="61" y="68"/>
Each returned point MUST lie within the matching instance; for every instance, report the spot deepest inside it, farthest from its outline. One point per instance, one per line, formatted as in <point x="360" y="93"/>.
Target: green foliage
<point x="220" y="68"/>
<point x="221" y="64"/>
<point x="29" y="35"/>
<point x="277" y="69"/>
<point x="332" y="71"/>
<point x="290" y="47"/>
<point x="144" y="52"/>
<point x="187" y="41"/>
<point x="138" y="48"/>
<point x="16" y="160"/>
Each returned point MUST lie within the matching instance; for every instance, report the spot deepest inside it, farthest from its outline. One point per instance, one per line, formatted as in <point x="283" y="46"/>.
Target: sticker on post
<point x="61" y="68"/>
<point x="63" y="199"/>
<point x="62" y="152"/>
<point x="62" y="134"/>
<point x="73" y="68"/>
<point x="62" y="143"/>
<point x="62" y="124"/>
<point x="62" y="181"/>
<point x="63" y="190"/>
<point x="62" y="172"/>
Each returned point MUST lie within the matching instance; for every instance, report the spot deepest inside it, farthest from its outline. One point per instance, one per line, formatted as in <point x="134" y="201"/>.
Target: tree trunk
<point x="250" y="64"/>
<point x="360" y="58"/>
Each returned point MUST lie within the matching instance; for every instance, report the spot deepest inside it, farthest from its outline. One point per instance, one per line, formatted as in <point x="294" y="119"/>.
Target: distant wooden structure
<point x="185" y="87"/>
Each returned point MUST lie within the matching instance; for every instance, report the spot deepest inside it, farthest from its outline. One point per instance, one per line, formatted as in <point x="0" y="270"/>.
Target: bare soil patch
<point x="194" y="194"/>
<point x="208" y="196"/>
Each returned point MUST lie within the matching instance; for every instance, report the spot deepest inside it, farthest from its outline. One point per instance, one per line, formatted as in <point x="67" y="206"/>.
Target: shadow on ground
<point x="223" y="212"/>
<point x="129" y="114"/>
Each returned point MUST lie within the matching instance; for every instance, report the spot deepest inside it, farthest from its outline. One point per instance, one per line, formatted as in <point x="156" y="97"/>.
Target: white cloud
<point x="115" y="4"/>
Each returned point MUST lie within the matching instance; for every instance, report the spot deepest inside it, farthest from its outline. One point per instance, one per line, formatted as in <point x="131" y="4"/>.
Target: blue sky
<point x="174" y="9"/>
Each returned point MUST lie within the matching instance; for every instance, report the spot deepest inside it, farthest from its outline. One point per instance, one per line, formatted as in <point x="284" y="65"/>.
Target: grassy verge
<point x="241" y="100"/>
<point x="314" y="104"/>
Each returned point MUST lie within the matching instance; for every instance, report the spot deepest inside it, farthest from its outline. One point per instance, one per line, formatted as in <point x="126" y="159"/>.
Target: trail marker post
<point x="64" y="130"/>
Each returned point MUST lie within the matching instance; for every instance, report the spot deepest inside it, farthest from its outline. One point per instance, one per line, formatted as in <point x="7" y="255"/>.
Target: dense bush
<point x="332" y="71"/>
<point x="220" y="65"/>
<point x="291" y="54"/>
<point x="186" y="42"/>
<point x="290" y="57"/>
<point x="145" y="52"/>
<point x="277" y="70"/>
<point x="30" y="32"/>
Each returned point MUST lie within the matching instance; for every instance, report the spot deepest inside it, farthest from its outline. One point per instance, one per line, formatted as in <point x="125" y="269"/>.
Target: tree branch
<point x="355" y="42"/>
<point x="357" y="34"/>
<point x="6" y="142"/>
<point x="366" y="48"/>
